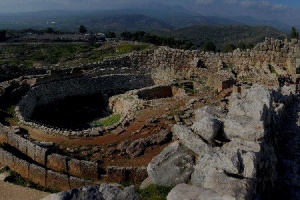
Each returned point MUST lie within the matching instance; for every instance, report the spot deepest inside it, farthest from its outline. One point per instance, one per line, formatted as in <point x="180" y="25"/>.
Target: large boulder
<point x="191" y="140"/>
<point x="172" y="166"/>
<point x="188" y="192"/>
<point x="102" y="192"/>
<point x="209" y="111"/>
<point x="208" y="128"/>
<point x="255" y="103"/>
<point x="244" y="127"/>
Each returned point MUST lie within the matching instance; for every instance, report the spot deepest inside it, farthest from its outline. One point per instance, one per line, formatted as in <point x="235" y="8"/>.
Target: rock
<point x="4" y="176"/>
<point x="255" y="103"/>
<point x="187" y="192"/>
<point x="208" y="128"/>
<point x="177" y="118"/>
<point x="118" y="131"/>
<point x="244" y="127"/>
<point x="136" y="148"/>
<point x="102" y="192"/>
<point x="160" y="138"/>
<point x="210" y="112"/>
<point x="146" y="183"/>
<point x="172" y="166"/>
<point x="123" y="145"/>
<point x="190" y="139"/>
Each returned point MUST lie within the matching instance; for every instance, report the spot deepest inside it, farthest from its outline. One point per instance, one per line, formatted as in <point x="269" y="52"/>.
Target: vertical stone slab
<point x="3" y="136"/>
<point x="22" y="167"/>
<point x="23" y="145"/>
<point x="78" y="182"/>
<point x="40" y="155"/>
<point x="37" y="175"/>
<point x="57" y="181"/>
<point x="31" y="150"/>
<point x="83" y="169"/>
<point x="57" y="162"/>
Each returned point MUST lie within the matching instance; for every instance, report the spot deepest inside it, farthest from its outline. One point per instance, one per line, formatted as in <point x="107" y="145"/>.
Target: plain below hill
<point x="222" y="35"/>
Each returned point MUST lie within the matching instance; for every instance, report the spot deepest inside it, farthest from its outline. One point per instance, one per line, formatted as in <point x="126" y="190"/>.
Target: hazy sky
<point x="285" y="10"/>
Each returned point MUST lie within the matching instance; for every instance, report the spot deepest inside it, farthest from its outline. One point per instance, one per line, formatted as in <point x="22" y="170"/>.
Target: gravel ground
<point x="10" y="191"/>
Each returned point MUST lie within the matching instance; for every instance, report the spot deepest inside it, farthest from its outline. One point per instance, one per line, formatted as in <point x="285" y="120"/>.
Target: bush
<point x="209" y="46"/>
<point x="155" y="192"/>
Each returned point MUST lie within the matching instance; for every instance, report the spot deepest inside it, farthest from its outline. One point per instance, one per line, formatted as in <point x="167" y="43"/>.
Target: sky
<point x="287" y="11"/>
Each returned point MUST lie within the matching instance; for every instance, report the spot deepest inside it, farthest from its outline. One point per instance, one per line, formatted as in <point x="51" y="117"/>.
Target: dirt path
<point x="288" y="184"/>
<point x="9" y="191"/>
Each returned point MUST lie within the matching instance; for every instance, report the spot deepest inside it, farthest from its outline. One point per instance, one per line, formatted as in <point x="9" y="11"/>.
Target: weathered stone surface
<point x="37" y="174"/>
<point x="190" y="139"/>
<point x="102" y="192"/>
<point x="136" y="148"/>
<point x="160" y="138"/>
<point x="172" y="166"/>
<point x="188" y="192"/>
<point x="57" y="181"/>
<point x="57" y="162"/>
<point x="207" y="128"/>
<point x="243" y="127"/>
<point x="208" y="111"/>
<point x="255" y="103"/>
<point x="85" y="169"/>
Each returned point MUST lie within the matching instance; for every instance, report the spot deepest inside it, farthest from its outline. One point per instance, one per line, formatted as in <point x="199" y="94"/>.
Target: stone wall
<point x="57" y="171"/>
<point x="235" y="152"/>
<point x="46" y="93"/>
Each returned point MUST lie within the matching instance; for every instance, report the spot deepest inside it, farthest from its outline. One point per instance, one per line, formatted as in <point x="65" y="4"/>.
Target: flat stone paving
<point x="288" y="184"/>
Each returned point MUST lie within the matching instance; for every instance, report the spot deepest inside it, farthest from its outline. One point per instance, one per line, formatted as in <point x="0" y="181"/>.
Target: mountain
<point x="225" y="34"/>
<point x="147" y="17"/>
<point x="94" y="20"/>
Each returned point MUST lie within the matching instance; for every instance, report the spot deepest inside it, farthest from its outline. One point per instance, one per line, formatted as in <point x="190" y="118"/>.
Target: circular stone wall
<point x="57" y="94"/>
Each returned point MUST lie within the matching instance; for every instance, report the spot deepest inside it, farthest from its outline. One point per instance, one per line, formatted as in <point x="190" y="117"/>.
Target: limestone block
<point x="188" y="192"/>
<point x="57" y="162"/>
<point x="78" y="182"/>
<point x="23" y="145"/>
<point x="37" y="174"/>
<point x="244" y="128"/>
<point x="191" y="140"/>
<point x="83" y="169"/>
<point x="40" y="155"/>
<point x="22" y="167"/>
<point x="172" y="166"/>
<point x="57" y="181"/>
<point x="208" y="128"/>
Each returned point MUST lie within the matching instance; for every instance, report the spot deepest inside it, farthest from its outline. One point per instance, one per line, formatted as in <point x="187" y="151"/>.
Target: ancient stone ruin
<point x="219" y="138"/>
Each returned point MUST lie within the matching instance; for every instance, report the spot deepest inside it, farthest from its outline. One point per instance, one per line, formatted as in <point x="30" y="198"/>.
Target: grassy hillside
<point x="72" y="54"/>
<point x="221" y="35"/>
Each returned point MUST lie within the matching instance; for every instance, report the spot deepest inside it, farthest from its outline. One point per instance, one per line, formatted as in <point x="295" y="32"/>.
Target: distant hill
<point x="147" y="17"/>
<point x="94" y="21"/>
<point x="225" y="34"/>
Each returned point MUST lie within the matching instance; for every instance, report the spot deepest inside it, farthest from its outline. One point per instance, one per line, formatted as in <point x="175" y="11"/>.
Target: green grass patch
<point x="154" y="192"/>
<point x="63" y="53"/>
<point x="272" y="69"/>
<point x="108" y="121"/>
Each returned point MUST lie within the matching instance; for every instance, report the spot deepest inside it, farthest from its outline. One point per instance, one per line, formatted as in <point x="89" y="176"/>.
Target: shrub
<point x="155" y="192"/>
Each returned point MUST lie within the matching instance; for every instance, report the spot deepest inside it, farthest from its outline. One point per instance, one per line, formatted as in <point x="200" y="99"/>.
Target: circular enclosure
<point x="75" y="103"/>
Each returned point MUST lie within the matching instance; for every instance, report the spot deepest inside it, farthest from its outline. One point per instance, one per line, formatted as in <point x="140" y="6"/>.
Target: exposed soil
<point x="104" y="148"/>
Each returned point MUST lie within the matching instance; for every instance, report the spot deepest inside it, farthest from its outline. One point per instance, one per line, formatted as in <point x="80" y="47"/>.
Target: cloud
<point x="262" y="5"/>
<point x="205" y="2"/>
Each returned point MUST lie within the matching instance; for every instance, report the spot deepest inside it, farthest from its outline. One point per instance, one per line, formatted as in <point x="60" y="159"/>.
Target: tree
<point x="82" y="29"/>
<point x="229" y="48"/>
<point x="49" y="30"/>
<point x="2" y="35"/>
<point x="294" y="33"/>
<point x="110" y="34"/>
<point x="209" y="46"/>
